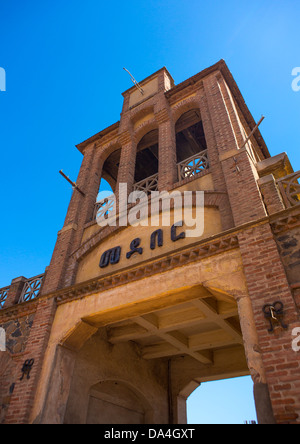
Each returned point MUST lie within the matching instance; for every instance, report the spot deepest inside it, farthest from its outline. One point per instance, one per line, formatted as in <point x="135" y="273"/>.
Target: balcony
<point x="188" y="169"/>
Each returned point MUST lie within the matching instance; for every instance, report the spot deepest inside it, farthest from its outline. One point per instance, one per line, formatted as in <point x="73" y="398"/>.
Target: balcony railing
<point x="3" y="295"/>
<point x="289" y="187"/>
<point x="31" y="289"/>
<point x="104" y="207"/>
<point x="188" y="168"/>
<point x="147" y="185"/>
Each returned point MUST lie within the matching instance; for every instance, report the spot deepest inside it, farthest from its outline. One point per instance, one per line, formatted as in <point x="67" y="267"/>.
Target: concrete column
<point x="59" y="387"/>
<point x="255" y="363"/>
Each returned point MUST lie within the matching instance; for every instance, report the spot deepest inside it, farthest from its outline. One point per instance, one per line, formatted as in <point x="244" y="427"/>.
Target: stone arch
<point x="115" y="401"/>
<point x="83" y="329"/>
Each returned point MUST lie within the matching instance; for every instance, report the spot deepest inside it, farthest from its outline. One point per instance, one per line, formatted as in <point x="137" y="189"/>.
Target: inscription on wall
<point x="113" y="255"/>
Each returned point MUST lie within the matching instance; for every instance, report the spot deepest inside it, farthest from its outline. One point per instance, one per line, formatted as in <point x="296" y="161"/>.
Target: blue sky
<point x="63" y="62"/>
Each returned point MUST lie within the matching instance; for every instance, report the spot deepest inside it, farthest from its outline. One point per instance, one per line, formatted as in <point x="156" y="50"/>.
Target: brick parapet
<point x="15" y="291"/>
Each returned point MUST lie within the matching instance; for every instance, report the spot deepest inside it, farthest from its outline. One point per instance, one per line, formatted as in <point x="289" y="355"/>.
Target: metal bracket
<point x="26" y="369"/>
<point x="274" y="314"/>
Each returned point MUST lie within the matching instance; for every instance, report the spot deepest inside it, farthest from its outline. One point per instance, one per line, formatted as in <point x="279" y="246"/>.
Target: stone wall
<point x="17" y="333"/>
<point x="289" y="247"/>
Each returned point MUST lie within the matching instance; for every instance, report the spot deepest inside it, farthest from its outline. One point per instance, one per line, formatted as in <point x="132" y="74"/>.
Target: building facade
<point x="128" y="320"/>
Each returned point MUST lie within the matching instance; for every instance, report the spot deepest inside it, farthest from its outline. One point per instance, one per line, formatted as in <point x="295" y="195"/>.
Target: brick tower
<point x="128" y="320"/>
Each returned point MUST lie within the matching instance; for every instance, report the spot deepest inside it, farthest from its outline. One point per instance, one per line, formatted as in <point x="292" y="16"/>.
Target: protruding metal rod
<point x="135" y="82"/>
<point x="252" y="132"/>
<point x="74" y="185"/>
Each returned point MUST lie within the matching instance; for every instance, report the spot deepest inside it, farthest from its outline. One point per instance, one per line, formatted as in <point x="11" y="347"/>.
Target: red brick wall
<point x="267" y="283"/>
<point x="22" y="398"/>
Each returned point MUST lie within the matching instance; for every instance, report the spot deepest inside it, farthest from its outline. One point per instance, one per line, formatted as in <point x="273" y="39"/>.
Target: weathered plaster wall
<point x="98" y="361"/>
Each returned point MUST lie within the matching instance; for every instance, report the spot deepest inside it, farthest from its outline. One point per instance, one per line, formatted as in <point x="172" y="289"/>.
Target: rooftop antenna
<point x="135" y="82"/>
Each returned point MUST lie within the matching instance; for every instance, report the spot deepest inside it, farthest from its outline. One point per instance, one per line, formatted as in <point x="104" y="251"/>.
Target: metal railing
<point x="3" y="296"/>
<point x="289" y="188"/>
<point x="193" y="165"/>
<point x="32" y="288"/>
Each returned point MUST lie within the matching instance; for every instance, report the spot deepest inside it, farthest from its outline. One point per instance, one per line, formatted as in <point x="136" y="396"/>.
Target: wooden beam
<point x="175" y="339"/>
<point x="213" y="315"/>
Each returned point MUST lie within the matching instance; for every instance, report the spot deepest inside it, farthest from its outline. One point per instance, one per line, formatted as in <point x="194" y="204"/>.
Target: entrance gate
<point x="128" y="320"/>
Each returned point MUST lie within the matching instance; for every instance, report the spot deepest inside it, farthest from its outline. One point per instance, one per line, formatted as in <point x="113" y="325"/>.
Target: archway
<point x="225" y="401"/>
<point x="167" y="335"/>
<point x="115" y="402"/>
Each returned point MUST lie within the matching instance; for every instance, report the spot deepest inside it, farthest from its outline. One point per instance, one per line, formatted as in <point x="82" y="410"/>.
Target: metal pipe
<point x="252" y="132"/>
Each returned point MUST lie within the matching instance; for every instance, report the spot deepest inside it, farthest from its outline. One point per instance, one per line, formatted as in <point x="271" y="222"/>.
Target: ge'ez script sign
<point x="113" y="255"/>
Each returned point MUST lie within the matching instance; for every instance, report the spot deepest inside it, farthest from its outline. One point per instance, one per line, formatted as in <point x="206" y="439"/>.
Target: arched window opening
<point x="146" y="167"/>
<point x="191" y="148"/>
<point x="110" y="169"/>
<point x="104" y="204"/>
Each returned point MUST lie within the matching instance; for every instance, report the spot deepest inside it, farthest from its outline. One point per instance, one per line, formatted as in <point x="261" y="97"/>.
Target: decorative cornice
<point x="220" y="243"/>
<point x="98" y="137"/>
<point x="19" y="310"/>
<point x="286" y="223"/>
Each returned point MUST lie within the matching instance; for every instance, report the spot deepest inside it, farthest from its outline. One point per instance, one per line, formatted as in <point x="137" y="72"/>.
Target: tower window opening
<point x="111" y="168"/>
<point x="190" y="138"/>
<point x="146" y="169"/>
<point x="191" y="148"/>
